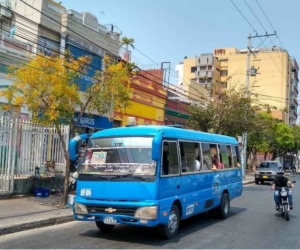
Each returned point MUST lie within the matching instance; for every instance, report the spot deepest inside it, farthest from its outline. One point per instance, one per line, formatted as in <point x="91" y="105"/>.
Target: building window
<point x="193" y="69"/>
<point x="199" y="60"/>
<point x="3" y="68"/>
<point x="223" y="60"/>
<point x="209" y="67"/>
<point x="202" y="68"/>
<point x="224" y="73"/>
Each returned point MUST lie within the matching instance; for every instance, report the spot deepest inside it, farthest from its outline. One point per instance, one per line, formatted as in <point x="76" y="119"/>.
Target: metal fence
<point x="25" y="146"/>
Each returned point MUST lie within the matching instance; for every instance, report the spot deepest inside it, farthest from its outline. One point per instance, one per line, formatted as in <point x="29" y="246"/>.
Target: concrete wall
<point x="26" y="186"/>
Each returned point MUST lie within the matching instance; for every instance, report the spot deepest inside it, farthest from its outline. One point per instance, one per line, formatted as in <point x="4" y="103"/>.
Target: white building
<point x="50" y="28"/>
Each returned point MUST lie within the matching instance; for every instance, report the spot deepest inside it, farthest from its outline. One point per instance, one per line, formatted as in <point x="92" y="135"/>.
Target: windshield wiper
<point x="128" y="175"/>
<point x="101" y="177"/>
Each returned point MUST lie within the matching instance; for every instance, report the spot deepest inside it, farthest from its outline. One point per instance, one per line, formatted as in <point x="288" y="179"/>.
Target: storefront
<point x="92" y="123"/>
<point x="148" y="102"/>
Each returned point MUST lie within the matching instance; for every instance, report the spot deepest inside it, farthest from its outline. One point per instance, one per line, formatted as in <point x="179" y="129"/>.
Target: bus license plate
<point x="265" y="176"/>
<point x="110" y="220"/>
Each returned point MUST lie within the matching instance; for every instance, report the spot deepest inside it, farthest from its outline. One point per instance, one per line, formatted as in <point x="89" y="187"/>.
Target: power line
<point x="175" y="75"/>
<point x="243" y="16"/>
<point x="259" y="37"/>
<point x="255" y="16"/>
<point x="266" y="16"/>
<point x="85" y="38"/>
<point x="34" y="41"/>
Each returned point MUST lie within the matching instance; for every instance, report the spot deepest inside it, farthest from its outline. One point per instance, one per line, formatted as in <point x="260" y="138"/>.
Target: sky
<point x="169" y="30"/>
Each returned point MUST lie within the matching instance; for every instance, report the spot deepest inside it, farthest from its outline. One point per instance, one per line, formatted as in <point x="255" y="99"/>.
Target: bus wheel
<point x="223" y="209"/>
<point x="104" y="227"/>
<point x="170" y="230"/>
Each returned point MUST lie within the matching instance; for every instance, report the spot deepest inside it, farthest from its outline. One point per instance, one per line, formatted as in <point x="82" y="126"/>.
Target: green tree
<point x="296" y="133"/>
<point x="47" y="86"/>
<point x="282" y="141"/>
<point x="231" y="113"/>
<point x="128" y="42"/>
<point x="260" y="134"/>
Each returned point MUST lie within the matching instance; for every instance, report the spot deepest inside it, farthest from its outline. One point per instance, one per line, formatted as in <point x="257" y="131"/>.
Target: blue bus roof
<point x="168" y="132"/>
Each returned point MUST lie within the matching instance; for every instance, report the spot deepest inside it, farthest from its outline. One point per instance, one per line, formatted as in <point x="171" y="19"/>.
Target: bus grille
<point x="112" y="210"/>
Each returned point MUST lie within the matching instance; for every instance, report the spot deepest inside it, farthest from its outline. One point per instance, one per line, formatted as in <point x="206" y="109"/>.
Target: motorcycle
<point x="284" y="204"/>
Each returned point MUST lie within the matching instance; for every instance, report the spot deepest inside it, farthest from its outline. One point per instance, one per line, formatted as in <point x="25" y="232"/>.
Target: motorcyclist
<point x="282" y="181"/>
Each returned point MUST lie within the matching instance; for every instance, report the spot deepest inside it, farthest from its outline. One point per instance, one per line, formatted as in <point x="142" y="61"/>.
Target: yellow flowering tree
<point x="47" y="87"/>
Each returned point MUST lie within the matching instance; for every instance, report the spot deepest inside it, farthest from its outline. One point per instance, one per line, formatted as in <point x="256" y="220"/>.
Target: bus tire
<point x="223" y="209"/>
<point x="170" y="230"/>
<point x="104" y="227"/>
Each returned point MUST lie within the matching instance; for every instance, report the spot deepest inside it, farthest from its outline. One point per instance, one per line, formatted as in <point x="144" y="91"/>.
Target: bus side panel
<point x="169" y="191"/>
<point x="232" y="180"/>
<point x="197" y="194"/>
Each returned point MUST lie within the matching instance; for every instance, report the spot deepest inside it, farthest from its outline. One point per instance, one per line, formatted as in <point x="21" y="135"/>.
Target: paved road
<point x="253" y="223"/>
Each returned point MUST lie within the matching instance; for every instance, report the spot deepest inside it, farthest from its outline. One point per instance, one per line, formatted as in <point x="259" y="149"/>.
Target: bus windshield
<point x="119" y="156"/>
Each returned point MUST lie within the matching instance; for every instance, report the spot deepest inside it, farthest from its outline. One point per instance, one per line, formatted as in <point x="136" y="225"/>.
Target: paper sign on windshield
<point x="98" y="157"/>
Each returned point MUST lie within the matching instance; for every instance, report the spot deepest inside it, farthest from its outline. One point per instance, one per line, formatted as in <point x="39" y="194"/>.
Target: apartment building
<point x="51" y="29"/>
<point x="273" y="76"/>
<point x="12" y="51"/>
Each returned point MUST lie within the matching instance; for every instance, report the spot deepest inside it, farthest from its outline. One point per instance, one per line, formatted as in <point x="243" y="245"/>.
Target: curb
<point x="36" y="224"/>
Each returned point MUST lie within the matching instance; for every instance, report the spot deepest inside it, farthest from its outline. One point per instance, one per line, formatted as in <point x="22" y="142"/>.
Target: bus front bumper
<point x="112" y="219"/>
<point x="145" y="215"/>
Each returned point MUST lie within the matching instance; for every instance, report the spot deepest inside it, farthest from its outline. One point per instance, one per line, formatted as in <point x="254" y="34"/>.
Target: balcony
<point x="294" y="64"/>
<point x="295" y="76"/>
<point x="296" y="90"/>
<point x="295" y="102"/>
<point x="293" y="114"/>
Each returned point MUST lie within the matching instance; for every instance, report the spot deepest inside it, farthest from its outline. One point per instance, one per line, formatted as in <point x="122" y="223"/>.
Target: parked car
<point x="266" y="171"/>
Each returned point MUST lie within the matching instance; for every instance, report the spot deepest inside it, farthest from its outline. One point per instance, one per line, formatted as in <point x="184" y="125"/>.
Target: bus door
<point x="169" y="172"/>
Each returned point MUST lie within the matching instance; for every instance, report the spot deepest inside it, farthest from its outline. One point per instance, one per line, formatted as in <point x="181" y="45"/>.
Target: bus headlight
<point x="148" y="213"/>
<point x="80" y="208"/>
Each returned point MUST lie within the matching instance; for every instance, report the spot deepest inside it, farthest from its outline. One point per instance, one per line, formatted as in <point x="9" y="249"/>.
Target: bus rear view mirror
<point x="156" y="147"/>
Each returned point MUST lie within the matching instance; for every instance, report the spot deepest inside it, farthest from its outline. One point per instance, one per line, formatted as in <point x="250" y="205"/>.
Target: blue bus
<point x="156" y="176"/>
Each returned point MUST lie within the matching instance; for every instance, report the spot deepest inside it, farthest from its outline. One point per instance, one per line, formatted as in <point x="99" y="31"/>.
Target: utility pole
<point x="245" y="134"/>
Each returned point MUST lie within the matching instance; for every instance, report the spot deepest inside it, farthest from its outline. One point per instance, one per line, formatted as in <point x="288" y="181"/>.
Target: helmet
<point x="280" y="171"/>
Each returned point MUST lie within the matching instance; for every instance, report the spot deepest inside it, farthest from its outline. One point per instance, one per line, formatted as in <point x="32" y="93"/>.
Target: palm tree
<point x="127" y="41"/>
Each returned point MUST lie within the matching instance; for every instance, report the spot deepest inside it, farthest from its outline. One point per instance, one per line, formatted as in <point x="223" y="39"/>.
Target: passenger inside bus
<point x="216" y="163"/>
<point x="197" y="158"/>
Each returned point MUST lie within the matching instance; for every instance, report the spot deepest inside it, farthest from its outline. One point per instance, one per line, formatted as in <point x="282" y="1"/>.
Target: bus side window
<point x="229" y="156"/>
<point x="224" y="157"/>
<point x="170" y="165"/>
<point x="190" y="158"/>
<point x="206" y="157"/>
<point x="235" y="156"/>
<point x="165" y="159"/>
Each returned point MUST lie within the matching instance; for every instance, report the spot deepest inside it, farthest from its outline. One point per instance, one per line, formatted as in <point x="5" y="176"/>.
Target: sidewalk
<point x="25" y="213"/>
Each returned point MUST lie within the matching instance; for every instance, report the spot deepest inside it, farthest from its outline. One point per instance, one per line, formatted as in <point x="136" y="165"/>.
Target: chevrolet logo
<point x="110" y="210"/>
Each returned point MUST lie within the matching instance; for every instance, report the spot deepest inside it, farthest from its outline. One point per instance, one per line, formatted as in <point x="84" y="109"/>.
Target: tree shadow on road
<point x="150" y="237"/>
